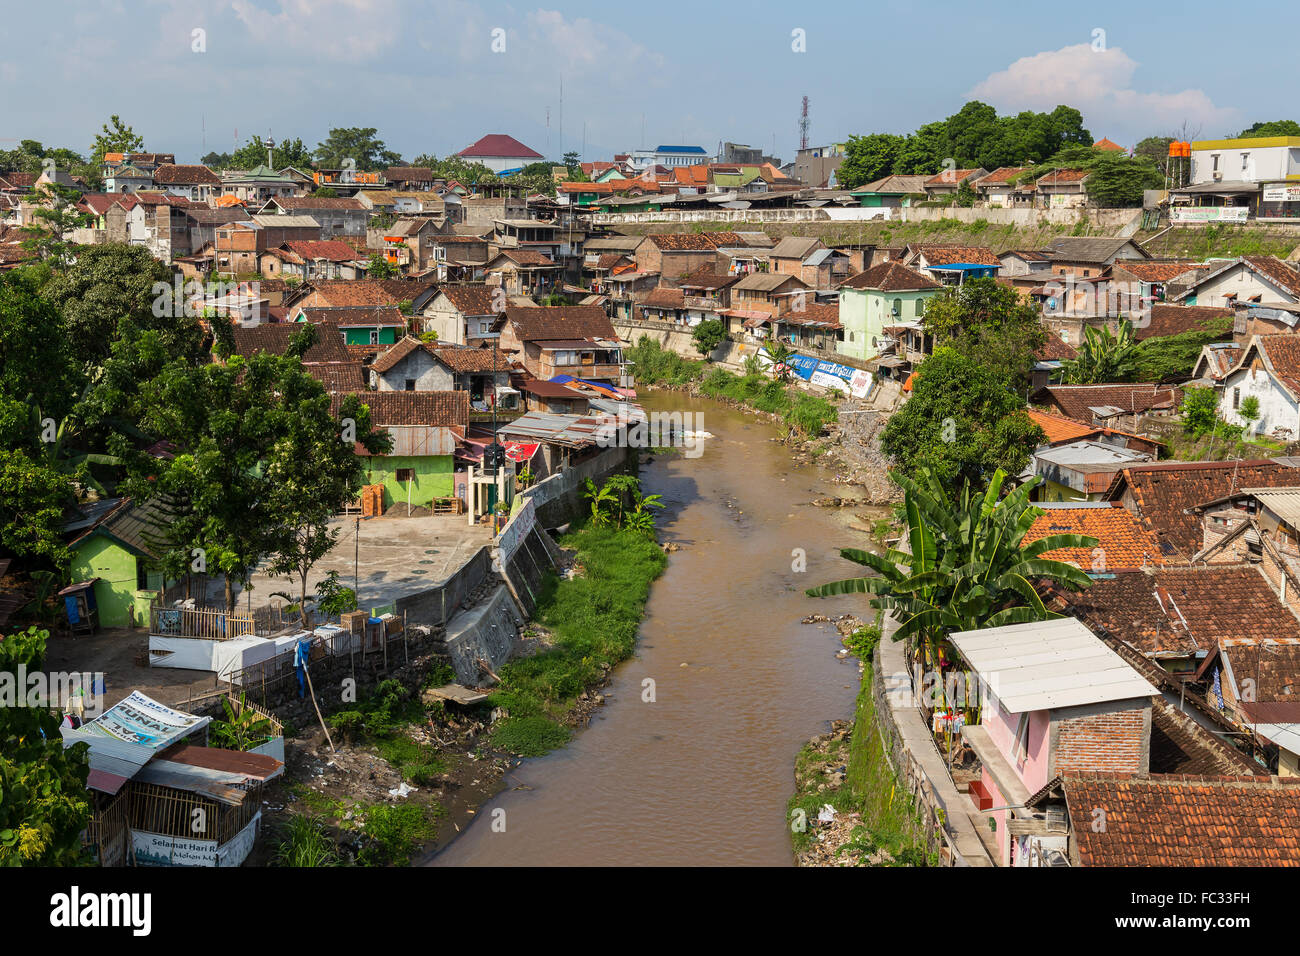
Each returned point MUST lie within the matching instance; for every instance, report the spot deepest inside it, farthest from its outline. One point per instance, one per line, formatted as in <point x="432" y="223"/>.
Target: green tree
<point x="1154" y="149"/>
<point x="967" y="566"/>
<point x="289" y="152"/>
<point x="1104" y="356"/>
<point x="115" y="137"/>
<point x="303" y="501"/>
<point x="868" y="158"/>
<point x="379" y="267"/>
<point x="708" y="335"/>
<point x="780" y="354"/>
<point x="1200" y="410"/>
<point x="361" y="145"/>
<point x="965" y="195"/>
<point x="1117" y="180"/>
<point x="987" y="323"/>
<point x="33" y="500"/>
<point x="1249" y="412"/>
<point x="53" y="218"/>
<point x="962" y="420"/>
<point x="44" y="804"/>
<point x="1163" y="358"/>
<point x="1272" y="128"/>
<point x="37" y="368"/>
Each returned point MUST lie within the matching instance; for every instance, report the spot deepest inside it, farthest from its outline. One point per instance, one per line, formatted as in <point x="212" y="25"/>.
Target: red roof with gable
<point x="498" y="144"/>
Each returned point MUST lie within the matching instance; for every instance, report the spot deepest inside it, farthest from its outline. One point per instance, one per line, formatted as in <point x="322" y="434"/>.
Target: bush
<point x="394" y="832"/>
<point x="529" y="736"/>
<point x="305" y="843"/>
<point x="708" y="335"/>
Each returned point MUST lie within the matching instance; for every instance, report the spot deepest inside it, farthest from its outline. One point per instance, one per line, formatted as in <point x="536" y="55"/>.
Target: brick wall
<point x="1117" y="740"/>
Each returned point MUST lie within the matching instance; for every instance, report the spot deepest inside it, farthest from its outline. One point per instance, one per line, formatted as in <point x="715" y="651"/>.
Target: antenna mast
<point x="803" y="125"/>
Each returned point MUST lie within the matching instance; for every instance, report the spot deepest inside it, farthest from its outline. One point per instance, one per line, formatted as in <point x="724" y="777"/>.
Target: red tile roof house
<point x="997" y="189"/>
<point x="499" y="152"/>
<point x="1053" y="698"/>
<point x="1118" y="406"/>
<point x="944" y="185"/>
<point x="463" y="314"/>
<point x="1269" y="370"/>
<point x="1062" y="189"/>
<point x="426" y="428"/>
<point x="312" y="259"/>
<point x="1170" y="820"/>
<point x="674" y="254"/>
<point x="1164" y="494"/>
<point x="1261" y="279"/>
<point x="336" y="215"/>
<point x="578" y="341"/>
<point x="415" y="366"/>
<point x="193" y="182"/>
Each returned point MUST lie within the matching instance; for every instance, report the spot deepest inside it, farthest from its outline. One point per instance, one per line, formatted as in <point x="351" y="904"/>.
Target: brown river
<point x="701" y="775"/>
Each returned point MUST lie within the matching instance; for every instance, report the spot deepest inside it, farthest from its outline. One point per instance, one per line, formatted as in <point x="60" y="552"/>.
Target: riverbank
<point x="849" y="807"/>
<point x="408" y="772"/>
<point x="841" y="434"/>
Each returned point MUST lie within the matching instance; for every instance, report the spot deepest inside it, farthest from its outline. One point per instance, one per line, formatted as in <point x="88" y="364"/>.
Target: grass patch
<point x="529" y="736"/>
<point x="395" y="831"/>
<point x="655" y="365"/>
<point x="306" y="843"/>
<point x="593" y="618"/>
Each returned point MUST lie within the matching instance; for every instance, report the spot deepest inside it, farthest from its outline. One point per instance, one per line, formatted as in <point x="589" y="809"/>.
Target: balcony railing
<point x="202" y="623"/>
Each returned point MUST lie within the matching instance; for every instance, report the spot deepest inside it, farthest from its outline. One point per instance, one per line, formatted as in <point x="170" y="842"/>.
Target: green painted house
<point x="361" y="325"/>
<point x="887" y="295"/>
<point x="896" y="191"/>
<point x="116" y="542"/>
<point x="426" y="428"/>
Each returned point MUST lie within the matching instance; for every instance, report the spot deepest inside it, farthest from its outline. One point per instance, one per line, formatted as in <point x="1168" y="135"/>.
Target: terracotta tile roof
<point x="1121" y="541"/>
<point x="1180" y="745"/>
<point x="367" y="292"/>
<point x="707" y="279"/>
<point x="1003" y="174"/>
<point x="1277" y="271"/>
<point x="948" y="255"/>
<point x="685" y="241"/>
<point x="1219" y="360"/>
<point x="609" y="260"/>
<point x="1180" y="820"/>
<point x="464" y="358"/>
<point x="329" y="249"/>
<point x="1105" y="143"/>
<point x="1155" y="270"/>
<point x="1063" y="176"/>
<point x="1055" y="349"/>
<point x="173" y="175"/>
<point x="1281" y="354"/>
<point x="1074" y="401"/>
<point x="725" y="239"/>
<point x="821" y="313"/>
<point x="1163" y="491"/>
<point x="473" y="299"/>
<point x="384" y="316"/>
<point x="317" y="202"/>
<point x="1058" y="428"/>
<point x="606" y="188"/>
<point x="19" y="180"/>
<point x="498" y="144"/>
<point x="950" y="177"/>
<point x="338" y="376"/>
<point x="1166" y="319"/>
<point x="1272" y="663"/>
<point x="891" y="276"/>
<point x="527" y="257"/>
<point x="560" y="322"/>
<point x="273" y="337"/>
<point x="449" y="409"/>
<point x="386" y="360"/>
<point x="1182" y="610"/>
<point x="664" y="298"/>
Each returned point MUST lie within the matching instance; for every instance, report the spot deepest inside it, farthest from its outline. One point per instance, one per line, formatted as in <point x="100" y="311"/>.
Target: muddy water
<point x="702" y="774"/>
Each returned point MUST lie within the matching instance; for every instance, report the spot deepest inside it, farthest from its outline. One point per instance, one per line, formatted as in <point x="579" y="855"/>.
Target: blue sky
<point x="425" y="74"/>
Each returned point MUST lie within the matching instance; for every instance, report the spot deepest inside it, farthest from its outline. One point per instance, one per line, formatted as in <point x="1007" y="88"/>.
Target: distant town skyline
<point x="194" y="76"/>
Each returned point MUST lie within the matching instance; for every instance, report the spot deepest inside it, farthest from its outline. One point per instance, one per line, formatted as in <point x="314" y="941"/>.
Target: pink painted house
<point x="1054" y="698"/>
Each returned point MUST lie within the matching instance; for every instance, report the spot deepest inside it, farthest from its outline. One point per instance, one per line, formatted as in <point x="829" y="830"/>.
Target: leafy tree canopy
<point x="1271" y="128"/>
<point x="359" y="144"/>
<point x="115" y="137"/>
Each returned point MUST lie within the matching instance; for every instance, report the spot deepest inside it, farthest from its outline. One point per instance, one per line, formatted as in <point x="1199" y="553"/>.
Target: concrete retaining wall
<point x="486" y="633"/>
<point x="558" y="498"/>
<point x="912" y="754"/>
<point x="438" y="604"/>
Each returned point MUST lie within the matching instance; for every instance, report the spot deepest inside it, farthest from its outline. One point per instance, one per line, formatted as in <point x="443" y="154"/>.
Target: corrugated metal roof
<point x="573" y="430"/>
<point x="1283" y="502"/>
<point x="1048" y="664"/>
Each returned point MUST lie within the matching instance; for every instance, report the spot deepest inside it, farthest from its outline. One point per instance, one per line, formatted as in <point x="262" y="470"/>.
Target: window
<point x="920" y="308"/>
<point x="410" y="384"/>
<point x="141" y="575"/>
<point x="1236" y="399"/>
<point x="1245" y="161"/>
<point x="406" y="474"/>
<point x="374" y="336"/>
<point x="1022" y="738"/>
<point x="1215" y="167"/>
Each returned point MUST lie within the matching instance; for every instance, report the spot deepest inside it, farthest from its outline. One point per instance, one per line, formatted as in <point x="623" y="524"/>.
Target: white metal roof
<point x="1283" y="502"/>
<point x="1285" y="736"/>
<point x="1048" y="664"/>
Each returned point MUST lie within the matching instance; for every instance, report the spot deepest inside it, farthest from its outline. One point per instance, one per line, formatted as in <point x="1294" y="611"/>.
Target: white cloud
<point x="1099" y="83"/>
<point x="350" y="30"/>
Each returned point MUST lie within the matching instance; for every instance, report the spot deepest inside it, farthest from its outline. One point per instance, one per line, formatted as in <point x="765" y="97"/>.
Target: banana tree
<point x="966" y="567"/>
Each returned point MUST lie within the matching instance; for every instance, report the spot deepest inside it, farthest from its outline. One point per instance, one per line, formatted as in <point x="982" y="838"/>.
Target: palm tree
<point x="780" y="354"/>
<point x="965" y="567"/>
<point x="1104" y="356"/>
<point x="599" y="498"/>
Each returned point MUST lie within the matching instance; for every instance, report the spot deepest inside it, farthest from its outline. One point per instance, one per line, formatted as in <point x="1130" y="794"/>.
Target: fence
<point x="203" y="623"/>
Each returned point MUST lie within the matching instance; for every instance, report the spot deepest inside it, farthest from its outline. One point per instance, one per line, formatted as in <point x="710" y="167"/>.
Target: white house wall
<point x="1276" y="408"/>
